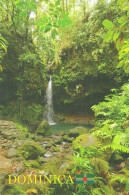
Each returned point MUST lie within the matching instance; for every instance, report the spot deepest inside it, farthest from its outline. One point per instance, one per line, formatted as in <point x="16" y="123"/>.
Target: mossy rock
<point x="56" y="149"/>
<point x="101" y="166"/>
<point x="85" y="140"/>
<point x="50" y="144"/>
<point x="116" y="158"/>
<point x="31" y="150"/>
<point x="68" y="139"/>
<point x="77" y="131"/>
<point x="33" y="164"/>
<point x="43" y="128"/>
<point x="118" y="182"/>
<point x="14" y="190"/>
<point x="58" y="141"/>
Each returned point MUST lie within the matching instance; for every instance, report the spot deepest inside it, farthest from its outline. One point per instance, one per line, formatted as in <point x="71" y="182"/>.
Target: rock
<point x="49" y="144"/>
<point x="48" y="154"/>
<point x="12" y="152"/>
<point x="116" y="158"/>
<point x="31" y="150"/>
<point x="64" y="165"/>
<point x="3" y="176"/>
<point x="77" y="131"/>
<point x="6" y="145"/>
<point x="43" y="160"/>
<point x="58" y="140"/>
<point x="56" y="149"/>
<point x="68" y="139"/>
<point x="119" y="166"/>
<point x="43" y="128"/>
<point x="20" y="168"/>
<point x="85" y="140"/>
<point x="33" y="163"/>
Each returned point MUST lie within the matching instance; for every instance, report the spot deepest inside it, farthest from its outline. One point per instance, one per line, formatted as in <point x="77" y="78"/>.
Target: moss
<point x="68" y="139"/>
<point x="118" y="181"/>
<point x="101" y="166"/>
<point x="85" y="140"/>
<point x="22" y="129"/>
<point x="43" y="128"/>
<point x="14" y="190"/>
<point x="33" y="164"/>
<point x="77" y="131"/>
<point x="56" y="149"/>
<point x="116" y="157"/>
<point x="31" y="150"/>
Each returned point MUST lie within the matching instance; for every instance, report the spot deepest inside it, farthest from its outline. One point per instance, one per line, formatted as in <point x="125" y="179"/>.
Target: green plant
<point x="112" y="115"/>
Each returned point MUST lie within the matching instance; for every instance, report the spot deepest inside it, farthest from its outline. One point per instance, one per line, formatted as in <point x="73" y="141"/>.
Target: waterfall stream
<point x="49" y="113"/>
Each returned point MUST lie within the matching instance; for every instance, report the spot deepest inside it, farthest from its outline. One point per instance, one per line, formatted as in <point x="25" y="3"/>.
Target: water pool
<point x="66" y="127"/>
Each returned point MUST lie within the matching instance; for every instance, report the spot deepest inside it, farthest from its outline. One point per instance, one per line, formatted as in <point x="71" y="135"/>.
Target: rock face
<point x="13" y="140"/>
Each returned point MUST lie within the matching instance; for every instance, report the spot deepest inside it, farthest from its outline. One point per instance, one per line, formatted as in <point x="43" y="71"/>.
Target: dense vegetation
<point x="85" y="47"/>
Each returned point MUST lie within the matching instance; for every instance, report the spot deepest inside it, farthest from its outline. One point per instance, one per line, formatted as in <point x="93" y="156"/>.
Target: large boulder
<point x="43" y="128"/>
<point x="85" y="140"/>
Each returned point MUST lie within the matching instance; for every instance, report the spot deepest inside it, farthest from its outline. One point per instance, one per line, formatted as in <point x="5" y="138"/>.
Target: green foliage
<point x="113" y="119"/>
<point x="101" y="167"/>
<point x="118" y="180"/>
<point x="32" y="163"/>
<point x="22" y="128"/>
<point x="17" y="189"/>
<point x="83" y="56"/>
<point x="118" y="32"/>
<point x="32" y="112"/>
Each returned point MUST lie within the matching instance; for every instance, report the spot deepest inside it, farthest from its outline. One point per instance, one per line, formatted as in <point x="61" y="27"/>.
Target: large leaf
<point x="108" y="24"/>
<point x="108" y="36"/>
<point x="116" y="35"/>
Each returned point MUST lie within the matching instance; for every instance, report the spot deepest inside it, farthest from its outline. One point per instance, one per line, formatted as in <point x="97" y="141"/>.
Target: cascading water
<point x="49" y="113"/>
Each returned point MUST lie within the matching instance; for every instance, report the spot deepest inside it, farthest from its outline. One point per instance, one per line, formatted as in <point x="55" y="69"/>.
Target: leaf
<point x="108" y="24"/>
<point x="123" y="19"/>
<point x="54" y="33"/>
<point x="1" y="69"/>
<point x="108" y="36"/>
<point x="116" y="35"/>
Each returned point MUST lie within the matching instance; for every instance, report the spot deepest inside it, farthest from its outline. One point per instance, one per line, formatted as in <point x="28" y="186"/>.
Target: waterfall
<point x="49" y="113"/>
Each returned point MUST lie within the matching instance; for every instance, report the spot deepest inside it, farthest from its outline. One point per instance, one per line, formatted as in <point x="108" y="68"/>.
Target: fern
<point x="116" y="143"/>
